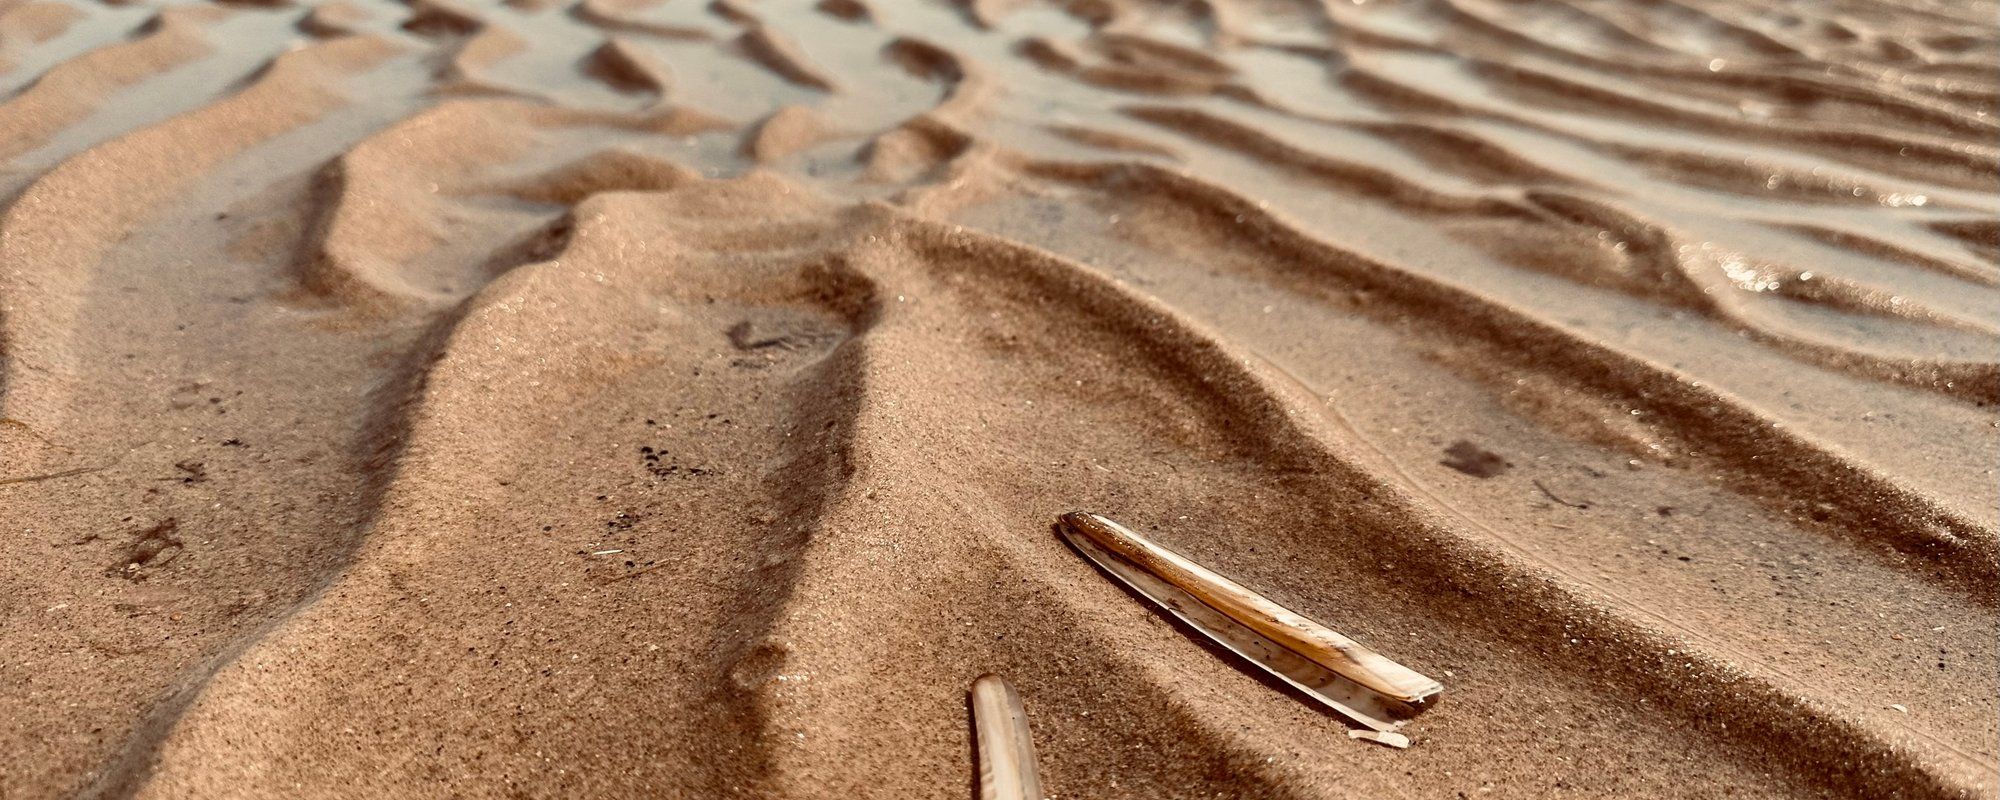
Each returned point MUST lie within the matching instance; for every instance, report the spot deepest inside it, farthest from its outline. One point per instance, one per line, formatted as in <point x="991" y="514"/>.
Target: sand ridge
<point x="622" y="398"/>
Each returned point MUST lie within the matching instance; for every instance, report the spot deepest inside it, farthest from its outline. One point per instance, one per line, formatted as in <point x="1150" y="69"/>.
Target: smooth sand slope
<point x="620" y="398"/>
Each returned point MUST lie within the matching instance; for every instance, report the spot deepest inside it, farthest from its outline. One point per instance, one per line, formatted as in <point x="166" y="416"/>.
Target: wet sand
<point x="623" y="398"/>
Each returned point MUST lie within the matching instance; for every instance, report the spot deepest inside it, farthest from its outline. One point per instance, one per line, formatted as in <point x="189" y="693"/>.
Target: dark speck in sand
<point x="1474" y="460"/>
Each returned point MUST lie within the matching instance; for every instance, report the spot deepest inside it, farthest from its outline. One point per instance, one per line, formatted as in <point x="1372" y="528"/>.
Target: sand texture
<point x="674" y="398"/>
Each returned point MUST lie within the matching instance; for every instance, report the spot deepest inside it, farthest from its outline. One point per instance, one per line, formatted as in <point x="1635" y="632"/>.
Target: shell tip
<point x="1390" y="738"/>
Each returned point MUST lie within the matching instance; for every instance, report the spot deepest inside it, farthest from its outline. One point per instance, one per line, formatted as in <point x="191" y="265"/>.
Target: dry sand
<point x="615" y="398"/>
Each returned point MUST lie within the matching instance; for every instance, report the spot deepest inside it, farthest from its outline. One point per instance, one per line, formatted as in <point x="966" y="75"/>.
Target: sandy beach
<point x="674" y="398"/>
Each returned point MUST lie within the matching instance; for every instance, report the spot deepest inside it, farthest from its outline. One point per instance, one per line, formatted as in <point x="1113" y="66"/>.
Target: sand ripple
<point x="621" y="397"/>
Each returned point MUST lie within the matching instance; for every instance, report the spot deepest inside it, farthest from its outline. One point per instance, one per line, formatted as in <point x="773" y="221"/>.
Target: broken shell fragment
<point x="1006" y="753"/>
<point x="1360" y="683"/>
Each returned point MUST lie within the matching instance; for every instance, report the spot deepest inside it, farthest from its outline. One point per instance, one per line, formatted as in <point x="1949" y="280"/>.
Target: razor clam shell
<point x="1271" y="622"/>
<point x="1350" y="699"/>
<point x="1007" y="768"/>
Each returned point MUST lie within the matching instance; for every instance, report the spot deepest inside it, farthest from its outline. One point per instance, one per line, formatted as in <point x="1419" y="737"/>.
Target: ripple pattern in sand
<point x="619" y="397"/>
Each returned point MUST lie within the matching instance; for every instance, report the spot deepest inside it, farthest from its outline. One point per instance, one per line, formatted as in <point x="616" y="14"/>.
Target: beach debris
<point x="1474" y="460"/>
<point x="1006" y="752"/>
<point x="49" y="476"/>
<point x="1390" y="738"/>
<point x="155" y="547"/>
<point x="1546" y="492"/>
<point x="1357" y="682"/>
